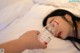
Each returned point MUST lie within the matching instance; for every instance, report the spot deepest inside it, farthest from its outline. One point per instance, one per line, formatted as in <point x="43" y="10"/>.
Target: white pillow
<point x="74" y="7"/>
<point x="52" y="2"/>
<point x="56" y="2"/>
<point x="13" y="11"/>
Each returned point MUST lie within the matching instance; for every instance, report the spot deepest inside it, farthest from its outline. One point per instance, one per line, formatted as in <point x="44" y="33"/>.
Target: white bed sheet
<point x="14" y="11"/>
<point x="32" y="20"/>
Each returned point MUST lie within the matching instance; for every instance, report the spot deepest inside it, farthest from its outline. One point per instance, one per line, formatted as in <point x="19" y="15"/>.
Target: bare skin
<point x="64" y="28"/>
<point x="28" y="40"/>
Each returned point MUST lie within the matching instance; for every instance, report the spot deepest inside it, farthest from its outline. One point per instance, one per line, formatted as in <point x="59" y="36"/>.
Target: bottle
<point x="47" y="33"/>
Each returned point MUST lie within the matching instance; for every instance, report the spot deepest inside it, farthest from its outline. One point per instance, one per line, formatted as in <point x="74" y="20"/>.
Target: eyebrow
<point x="51" y="20"/>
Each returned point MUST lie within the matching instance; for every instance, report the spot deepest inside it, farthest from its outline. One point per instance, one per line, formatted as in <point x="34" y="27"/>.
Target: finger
<point x="35" y="31"/>
<point x="43" y="46"/>
<point x="38" y="32"/>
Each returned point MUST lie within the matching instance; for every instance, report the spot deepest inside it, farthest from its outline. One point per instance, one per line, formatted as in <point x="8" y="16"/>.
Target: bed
<point x="17" y="17"/>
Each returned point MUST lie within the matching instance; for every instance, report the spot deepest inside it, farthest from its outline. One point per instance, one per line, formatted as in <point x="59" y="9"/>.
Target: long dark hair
<point x="75" y="19"/>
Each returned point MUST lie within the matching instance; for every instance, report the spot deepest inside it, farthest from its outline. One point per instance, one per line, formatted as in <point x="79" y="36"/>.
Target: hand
<point x="30" y="39"/>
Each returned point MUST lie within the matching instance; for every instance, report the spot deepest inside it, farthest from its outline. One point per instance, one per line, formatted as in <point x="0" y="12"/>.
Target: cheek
<point x="65" y="28"/>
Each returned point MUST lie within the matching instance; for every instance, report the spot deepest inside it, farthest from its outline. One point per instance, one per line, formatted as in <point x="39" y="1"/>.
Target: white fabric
<point x="64" y="4"/>
<point x="57" y="2"/>
<point x="32" y="19"/>
<point x="14" y="11"/>
<point x="52" y="2"/>
<point x="29" y="21"/>
<point x="5" y="3"/>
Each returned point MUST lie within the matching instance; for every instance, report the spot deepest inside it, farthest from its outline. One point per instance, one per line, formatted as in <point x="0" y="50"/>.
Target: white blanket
<point x="14" y="11"/>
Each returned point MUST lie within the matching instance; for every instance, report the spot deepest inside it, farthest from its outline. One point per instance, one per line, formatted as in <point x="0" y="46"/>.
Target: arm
<point x="28" y="40"/>
<point x="15" y="46"/>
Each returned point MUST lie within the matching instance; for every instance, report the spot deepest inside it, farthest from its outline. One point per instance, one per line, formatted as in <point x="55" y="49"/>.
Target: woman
<point x="68" y="25"/>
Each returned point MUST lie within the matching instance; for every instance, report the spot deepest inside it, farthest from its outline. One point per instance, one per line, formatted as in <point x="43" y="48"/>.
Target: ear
<point x="68" y="17"/>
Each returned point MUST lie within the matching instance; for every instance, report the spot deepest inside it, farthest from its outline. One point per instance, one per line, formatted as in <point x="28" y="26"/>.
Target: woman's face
<point x="63" y="28"/>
